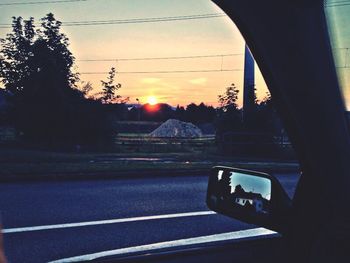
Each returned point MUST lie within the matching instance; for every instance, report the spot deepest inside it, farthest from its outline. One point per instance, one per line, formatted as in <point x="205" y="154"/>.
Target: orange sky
<point x="213" y="36"/>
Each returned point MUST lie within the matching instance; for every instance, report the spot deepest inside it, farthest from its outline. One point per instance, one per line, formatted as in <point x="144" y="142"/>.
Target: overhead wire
<point x="41" y="2"/>
<point x="164" y="58"/>
<point x="164" y="72"/>
<point x="136" y="20"/>
<point x="160" y="58"/>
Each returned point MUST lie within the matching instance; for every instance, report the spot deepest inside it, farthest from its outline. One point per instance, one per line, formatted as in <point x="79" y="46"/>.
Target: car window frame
<point x="290" y="42"/>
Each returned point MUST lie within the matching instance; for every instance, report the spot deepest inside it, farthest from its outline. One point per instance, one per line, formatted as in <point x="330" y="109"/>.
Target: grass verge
<point x="27" y="164"/>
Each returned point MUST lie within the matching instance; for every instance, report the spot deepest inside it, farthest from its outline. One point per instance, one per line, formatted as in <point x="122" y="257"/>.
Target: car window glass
<point x="337" y="13"/>
<point x="112" y="114"/>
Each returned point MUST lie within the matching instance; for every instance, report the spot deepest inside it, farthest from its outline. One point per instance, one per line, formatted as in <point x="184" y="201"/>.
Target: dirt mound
<point x="177" y="129"/>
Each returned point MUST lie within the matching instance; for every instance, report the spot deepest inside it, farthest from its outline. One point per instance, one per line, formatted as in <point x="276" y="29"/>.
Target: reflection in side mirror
<point x="249" y="196"/>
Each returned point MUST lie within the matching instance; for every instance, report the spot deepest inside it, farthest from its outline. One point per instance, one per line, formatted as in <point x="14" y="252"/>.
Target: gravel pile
<point x="176" y="129"/>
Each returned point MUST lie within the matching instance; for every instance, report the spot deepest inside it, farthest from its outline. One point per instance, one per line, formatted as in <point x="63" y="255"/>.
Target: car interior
<point x="302" y="50"/>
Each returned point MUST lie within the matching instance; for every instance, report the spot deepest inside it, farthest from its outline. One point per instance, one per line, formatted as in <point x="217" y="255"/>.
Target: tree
<point x="229" y="119"/>
<point x="228" y="100"/>
<point x="36" y="66"/>
<point x="267" y="100"/>
<point x="200" y="113"/>
<point x="266" y="119"/>
<point x="180" y="113"/>
<point x="86" y="88"/>
<point x="18" y="61"/>
<point x="45" y="98"/>
<point x="109" y="88"/>
<point x="58" y="43"/>
<point x="15" y="53"/>
<point x="229" y="116"/>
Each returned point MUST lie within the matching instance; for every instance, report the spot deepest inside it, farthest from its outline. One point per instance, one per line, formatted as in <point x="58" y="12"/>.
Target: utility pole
<point x="138" y="115"/>
<point x="249" y="86"/>
<point x="138" y="109"/>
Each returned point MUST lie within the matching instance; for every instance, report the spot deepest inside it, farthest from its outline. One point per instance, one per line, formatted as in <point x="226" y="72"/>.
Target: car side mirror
<point x="249" y="196"/>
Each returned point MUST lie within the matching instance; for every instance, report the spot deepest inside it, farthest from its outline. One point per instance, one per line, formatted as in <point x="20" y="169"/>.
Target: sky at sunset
<point x="202" y="37"/>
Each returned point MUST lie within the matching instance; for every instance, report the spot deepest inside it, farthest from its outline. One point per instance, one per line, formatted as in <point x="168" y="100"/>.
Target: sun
<point x="152" y="100"/>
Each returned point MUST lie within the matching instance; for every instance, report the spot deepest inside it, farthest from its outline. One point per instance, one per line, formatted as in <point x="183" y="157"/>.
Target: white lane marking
<point x="104" y="222"/>
<point x="249" y="233"/>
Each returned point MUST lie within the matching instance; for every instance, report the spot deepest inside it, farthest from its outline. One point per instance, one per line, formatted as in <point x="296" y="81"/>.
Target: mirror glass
<point x="237" y="192"/>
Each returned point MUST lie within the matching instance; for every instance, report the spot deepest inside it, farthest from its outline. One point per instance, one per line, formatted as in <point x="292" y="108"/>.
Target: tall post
<point x="248" y="86"/>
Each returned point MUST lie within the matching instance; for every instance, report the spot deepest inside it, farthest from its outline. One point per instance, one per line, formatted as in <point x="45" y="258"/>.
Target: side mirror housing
<point x="249" y="196"/>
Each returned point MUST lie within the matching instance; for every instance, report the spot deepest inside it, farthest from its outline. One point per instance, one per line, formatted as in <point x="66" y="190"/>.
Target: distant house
<point x="254" y="200"/>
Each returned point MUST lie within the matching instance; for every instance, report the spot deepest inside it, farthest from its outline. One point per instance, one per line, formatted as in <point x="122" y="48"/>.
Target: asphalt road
<point x="51" y="203"/>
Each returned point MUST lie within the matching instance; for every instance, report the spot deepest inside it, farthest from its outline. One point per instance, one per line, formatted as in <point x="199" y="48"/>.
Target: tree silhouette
<point x="109" y="88"/>
<point x="18" y="63"/>
<point x="267" y="99"/>
<point x="58" y="43"/>
<point x="86" y="88"/>
<point x="199" y="113"/>
<point x="36" y="66"/>
<point x="229" y="116"/>
<point x="228" y="100"/>
<point x="15" y="52"/>
<point x="180" y="113"/>
<point x="265" y="117"/>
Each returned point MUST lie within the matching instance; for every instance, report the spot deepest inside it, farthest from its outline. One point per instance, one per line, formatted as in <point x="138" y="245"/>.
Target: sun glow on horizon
<point x="152" y="100"/>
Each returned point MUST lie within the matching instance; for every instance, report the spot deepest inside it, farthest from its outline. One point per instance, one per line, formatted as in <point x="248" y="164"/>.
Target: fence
<point x="150" y="144"/>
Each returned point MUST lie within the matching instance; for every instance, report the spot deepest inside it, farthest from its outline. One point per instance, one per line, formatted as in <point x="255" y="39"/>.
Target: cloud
<point x="150" y="80"/>
<point x="199" y="81"/>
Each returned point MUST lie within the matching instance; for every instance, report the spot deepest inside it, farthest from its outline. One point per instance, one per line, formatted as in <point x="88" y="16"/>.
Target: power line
<point x="159" y="58"/>
<point x="136" y="20"/>
<point x="42" y="2"/>
<point x="164" y="72"/>
<point x="143" y="19"/>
